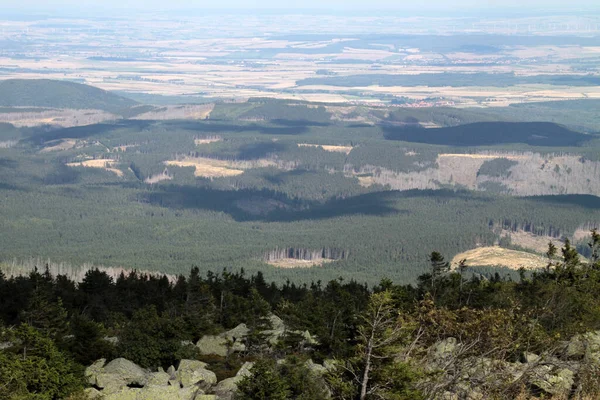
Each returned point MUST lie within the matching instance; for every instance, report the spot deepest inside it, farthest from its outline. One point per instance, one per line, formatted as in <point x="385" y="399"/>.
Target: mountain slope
<point x="59" y="94"/>
<point x="490" y="133"/>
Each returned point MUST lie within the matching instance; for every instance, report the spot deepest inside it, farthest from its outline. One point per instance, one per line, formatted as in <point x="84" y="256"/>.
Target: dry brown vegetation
<point x="330" y="148"/>
<point x="106" y="164"/>
<point x="212" y="139"/>
<point x="214" y="168"/>
<point x="59" y="145"/>
<point x="295" y="263"/>
<point x="207" y="167"/>
<point x="201" y="111"/>
<point x="58" y="117"/>
<point x="497" y="256"/>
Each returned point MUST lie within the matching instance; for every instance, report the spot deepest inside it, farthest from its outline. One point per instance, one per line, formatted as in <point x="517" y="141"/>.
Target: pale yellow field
<point x="497" y="256"/>
<point x="208" y="140"/>
<point x="106" y="164"/>
<point x="207" y="167"/>
<point x="179" y="112"/>
<point x="330" y="148"/>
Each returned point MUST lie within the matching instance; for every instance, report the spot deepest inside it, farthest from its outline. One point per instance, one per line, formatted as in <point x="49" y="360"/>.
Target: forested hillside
<point x="269" y="177"/>
<point x="59" y="94"/>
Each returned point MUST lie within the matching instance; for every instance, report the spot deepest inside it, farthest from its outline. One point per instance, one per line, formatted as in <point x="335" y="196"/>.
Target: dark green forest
<point x="303" y="198"/>
<point x="377" y="337"/>
<point x="59" y="94"/>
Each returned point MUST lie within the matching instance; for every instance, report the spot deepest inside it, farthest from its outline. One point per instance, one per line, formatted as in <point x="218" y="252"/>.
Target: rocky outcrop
<point x="225" y="390"/>
<point x="224" y="344"/>
<point x="117" y="374"/>
<point x="558" y="373"/>
<point x="121" y="379"/>
<point x="194" y="373"/>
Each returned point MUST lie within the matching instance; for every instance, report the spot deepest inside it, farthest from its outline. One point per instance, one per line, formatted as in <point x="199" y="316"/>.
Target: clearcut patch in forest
<point x="207" y="167"/>
<point x="59" y="145"/>
<point x="303" y="258"/>
<point x="495" y="256"/>
<point x="296" y="263"/>
<point x="330" y="148"/>
<point x="213" y="168"/>
<point x="106" y="164"/>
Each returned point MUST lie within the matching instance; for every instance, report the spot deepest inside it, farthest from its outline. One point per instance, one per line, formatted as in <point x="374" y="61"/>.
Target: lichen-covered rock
<point x="245" y="370"/>
<point x="557" y="382"/>
<point x="277" y="330"/>
<point x="206" y="397"/>
<point x="214" y="345"/>
<point x="124" y="393"/>
<point x="119" y="373"/>
<point x="530" y="358"/>
<point x="93" y="370"/>
<point x="317" y="369"/>
<point x="585" y="347"/>
<point x="92" y="393"/>
<point x="445" y="348"/>
<point x="225" y="390"/>
<point x="225" y="343"/>
<point x="194" y="373"/>
<point x="160" y="378"/>
<point x="239" y="332"/>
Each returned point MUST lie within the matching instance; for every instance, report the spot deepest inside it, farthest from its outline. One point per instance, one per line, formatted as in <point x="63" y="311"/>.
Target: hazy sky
<point x="334" y="5"/>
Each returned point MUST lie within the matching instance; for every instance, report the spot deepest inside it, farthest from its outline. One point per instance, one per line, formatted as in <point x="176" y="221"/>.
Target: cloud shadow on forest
<point x="579" y="200"/>
<point x="43" y="135"/>
<point x="8" y="163"/>
<point x="245" y="205"/>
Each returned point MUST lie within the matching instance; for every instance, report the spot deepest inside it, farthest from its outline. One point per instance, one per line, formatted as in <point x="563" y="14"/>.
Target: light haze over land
<point x="332" y="5"/>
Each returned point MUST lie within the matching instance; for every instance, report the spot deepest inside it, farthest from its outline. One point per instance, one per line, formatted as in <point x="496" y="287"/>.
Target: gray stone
<point x="239" y="332"/>
<point x="317" y="369"/>
<point x="530" y="358"/>
<point x="245" y="370"/>
<point x="92" y="393"/>
<point x="194" y="373"/>
<point x="445" y="348"/>
<point x="214" y="345"/>
<point x="124" y="393"/>
<point x="160" y="378"/>
<point x="111" y="339"/>
<point x="93" y="370"/>
<point x="225" y="390"/>
<point x="557" y="382"/>
<point x="277" y="330"/>
<point x="116" y="375"/>
<point x="225" y="343"/>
